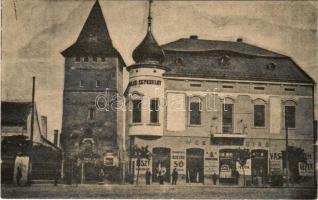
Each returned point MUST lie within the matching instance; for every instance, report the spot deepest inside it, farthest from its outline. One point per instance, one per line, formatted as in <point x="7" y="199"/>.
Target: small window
<point x="98" y="83"/>
<point x="154" y="111"/>
<point x="154" y="71"/>
<point x="195" y="85"/>
<point x="259" y="88"/>
<point x="290" y="116"/>
<point x="91" y="114"/>
<point x="136" y="114"/>
<point x="195" y="111"/>
<point x="227" y="86"/>
<point x="85" y="59"/>
<point x="94" y="58"/>
<point x="78" y="59"/>
<point x="271" y="66"/>
<point x="103" y="59"/>
<point x="290" y="89"/>
<point x="259" y="115"/>
<point x="81" y="84"/>
<point x="179" y="61"/>
<point x="224" y="60"/>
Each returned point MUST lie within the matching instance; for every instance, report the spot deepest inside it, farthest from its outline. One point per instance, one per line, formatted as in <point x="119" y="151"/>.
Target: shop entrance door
<point x="161" y="163"/>
<point x="194" y="165"/>
<point x="259" y="166"/>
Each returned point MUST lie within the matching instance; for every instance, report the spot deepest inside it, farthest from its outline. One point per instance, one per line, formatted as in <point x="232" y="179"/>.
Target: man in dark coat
<point x="148" y="176"/>
<point x="160" y="176"/>
<point x="214" y="178"/>
<point x="19" y="175"/>
<point x="174" y="176"/>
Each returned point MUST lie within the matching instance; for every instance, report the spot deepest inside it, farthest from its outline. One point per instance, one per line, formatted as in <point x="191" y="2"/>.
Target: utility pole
<point x="31" y="134"/>
<point x="286" y="149"/>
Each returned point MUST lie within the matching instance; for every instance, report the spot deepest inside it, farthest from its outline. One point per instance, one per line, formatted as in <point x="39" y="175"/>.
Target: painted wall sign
<point x="276" y="163"/>
<point x="144" y="165"/>
<point x="178" y="161"/>
<point x="306" y="169"/>
<point x="211" y="166"/>
<point x="247" y="168"/>
<point x="144" y="82"/>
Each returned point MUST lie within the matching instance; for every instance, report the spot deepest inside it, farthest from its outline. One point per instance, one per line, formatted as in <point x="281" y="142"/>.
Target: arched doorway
<point x="194" y="165"/>
<point x="227" y="166"/>
<point x="259" y="166"/>
<point x="161" y="162"/>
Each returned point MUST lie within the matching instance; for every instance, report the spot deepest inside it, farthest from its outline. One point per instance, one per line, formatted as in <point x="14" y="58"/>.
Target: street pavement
<point x="154" y="191"/>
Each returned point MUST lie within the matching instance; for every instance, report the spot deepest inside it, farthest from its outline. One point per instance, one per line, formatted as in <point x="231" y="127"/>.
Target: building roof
<point x="15" y="113"/>
<point x="229" y="60"/>
<point x="94" y="39"/>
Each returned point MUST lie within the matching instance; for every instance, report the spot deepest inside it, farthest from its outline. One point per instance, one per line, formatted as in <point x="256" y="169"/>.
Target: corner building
<point x="194" y="102"/>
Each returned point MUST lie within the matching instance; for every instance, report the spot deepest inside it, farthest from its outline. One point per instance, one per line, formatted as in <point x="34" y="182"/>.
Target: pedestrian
<point x="148" y="176"/>
<point x="174" y="176"/>
<point x="214" y="178"/>
<point x="160" y="176"/>
<point x="18" y="175"/>
<point x="57" y="176"/>
<point x="101" y="175"/>
<point x="237" y="175"/>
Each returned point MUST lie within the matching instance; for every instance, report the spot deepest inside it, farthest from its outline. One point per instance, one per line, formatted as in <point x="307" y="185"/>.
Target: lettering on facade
<point x="276" y="163"/>
<point x="144" y="165"/>
<point x="178" y="161"/>
<point x="144" y="82"/>
<point x="211" y="164"/>
<point x="247" y="168"/>
<point x="306" y="169"/>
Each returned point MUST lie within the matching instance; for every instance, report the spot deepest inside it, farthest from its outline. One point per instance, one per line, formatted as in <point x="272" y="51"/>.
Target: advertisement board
<point x="178" y="161"/>
<point x="247" y="168"/>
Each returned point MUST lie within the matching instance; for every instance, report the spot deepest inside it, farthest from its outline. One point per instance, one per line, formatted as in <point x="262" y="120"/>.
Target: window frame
<point x="264" y="116"/>
<point x="133" y="119"/>
<point x="81" y="84"/>
<point x="294" y="116"/>
<point x="91" y="114"/>
<point x="232" y="117"/>
<point x="156" y="111"/>
<point x="194" y="99"/>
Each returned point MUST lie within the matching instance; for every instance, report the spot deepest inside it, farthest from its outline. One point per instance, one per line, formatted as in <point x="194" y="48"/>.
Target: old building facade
<point x="91" y="136"/>
<point x="195" y="102"/>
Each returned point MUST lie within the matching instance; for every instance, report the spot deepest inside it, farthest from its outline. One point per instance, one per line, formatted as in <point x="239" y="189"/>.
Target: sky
<point x="34" y="32"/>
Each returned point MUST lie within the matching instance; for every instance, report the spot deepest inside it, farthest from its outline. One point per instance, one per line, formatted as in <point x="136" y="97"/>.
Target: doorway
<point x="194" y="165"/>
<point x="161" y="163"/>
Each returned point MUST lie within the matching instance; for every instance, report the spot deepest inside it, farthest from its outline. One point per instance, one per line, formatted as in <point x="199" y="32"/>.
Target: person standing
<point x="174" y="176"/>
<point x="18" y="175"/>
<point x="101" y="175"/>
<point x="214" y="178"/>
<point x="160" y="176"/>
<point x="148" y="176"/>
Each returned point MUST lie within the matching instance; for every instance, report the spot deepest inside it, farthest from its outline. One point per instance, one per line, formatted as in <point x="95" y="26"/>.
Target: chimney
<point x="239" y="40"/>
<point x="44" y="126"/>
<point x="56" y="137"/>
<point x="194" y="37"/>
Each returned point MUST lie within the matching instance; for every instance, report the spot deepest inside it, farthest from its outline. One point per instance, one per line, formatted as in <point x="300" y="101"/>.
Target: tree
<point x="140" y="153"/>
<point x="241" y="156"/>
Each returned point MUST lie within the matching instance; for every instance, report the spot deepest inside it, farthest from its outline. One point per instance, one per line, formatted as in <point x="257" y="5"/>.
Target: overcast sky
<point x="34" y="32"/>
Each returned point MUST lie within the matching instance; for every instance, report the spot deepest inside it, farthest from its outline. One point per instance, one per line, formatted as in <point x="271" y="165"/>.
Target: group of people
<point x="160" y="176"/>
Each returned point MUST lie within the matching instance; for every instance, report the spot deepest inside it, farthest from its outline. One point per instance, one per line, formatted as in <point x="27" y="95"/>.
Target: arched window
<point x="259" y="113"/>
<point x="227" y="117"/>
<point x="195" y="111"/>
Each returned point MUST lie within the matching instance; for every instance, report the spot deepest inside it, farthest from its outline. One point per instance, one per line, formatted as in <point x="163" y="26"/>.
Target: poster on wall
<point x="144" y="165"/>
<point x="276" y="163"/>
<point x="211" y="166"/>
<point x="178" y="161"/>
<point x="247" y="168"/>
<point x="306" y="169"/>
<point x="21" y="162"/>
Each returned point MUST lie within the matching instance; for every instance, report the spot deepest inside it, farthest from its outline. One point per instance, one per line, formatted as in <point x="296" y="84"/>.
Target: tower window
<point x="78" y="59"/>
<point x="81" y="84"/>
<point x="94" y="58"/>
<point x="195" y="111"/>
<point x="154" y="111"/>
<point x="136" y="114"/>
<point x="98" y="83"/>
<point x="290" y="121"/>
<point x="85" y="59"/>
<point x="91" y="114"/>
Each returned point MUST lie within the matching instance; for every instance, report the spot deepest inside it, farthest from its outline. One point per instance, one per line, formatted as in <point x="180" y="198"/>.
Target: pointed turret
<point x="94" y="39"/>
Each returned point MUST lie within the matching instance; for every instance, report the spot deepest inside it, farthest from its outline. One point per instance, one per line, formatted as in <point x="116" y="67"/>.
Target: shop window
<point x="154" y="111"/>
<point x="227" y="118"/>
<point x="136" y="114"/>
<point x="259" y="115"/>
<point x="290" y="120"/>
<point x="91" y="114"/>
<point x="195" y="111"/>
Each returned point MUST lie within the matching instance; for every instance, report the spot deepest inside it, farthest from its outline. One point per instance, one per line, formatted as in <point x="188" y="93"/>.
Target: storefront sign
<point x="306" y="169"/>
<point x="144" y="165"/>
<point x="211" y="166"/>
<point x="247" y="168"/>
<point x="144" y="82"/>
<point x="276" y="163"/>
<point x="178" y="161"/>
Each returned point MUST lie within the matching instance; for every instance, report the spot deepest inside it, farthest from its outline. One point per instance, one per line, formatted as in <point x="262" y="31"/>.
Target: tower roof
<point x="94" y="38"/>
<point x="148" y="50"/>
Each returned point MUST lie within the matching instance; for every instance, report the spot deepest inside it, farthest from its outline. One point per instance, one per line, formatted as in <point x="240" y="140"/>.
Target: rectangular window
<point x="259" y="88"/>
<point x="81" y="83"/>
<point x="227" y="126"/>
<point x="259" y="115"/>
<point x="195" y="113"/>
<point x="154" y="111"/>
<point x="98" y="83"/>
<point x="195" y="85"/>
<point x="136" y="115"/>
<point x="86" y="59"/>
<point x="77" y="59"/>
<point x="91" y="114"/>
<point x="290" y="116"/>
<point x="290" y="89"/>
<point x="227" y="86"/>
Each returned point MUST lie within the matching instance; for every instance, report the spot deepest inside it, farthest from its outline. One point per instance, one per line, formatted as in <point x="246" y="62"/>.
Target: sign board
<point x="178" y="161"/>
<point x="247" y="168"/>
<point x="306" y="169"/>
<point x="276" y="163"/>
<point x="144" y="165"/>
<point x="211" y="166"/>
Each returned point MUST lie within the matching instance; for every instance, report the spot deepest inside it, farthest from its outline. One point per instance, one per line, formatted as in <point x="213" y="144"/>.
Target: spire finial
<point x="149" y="15"/>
